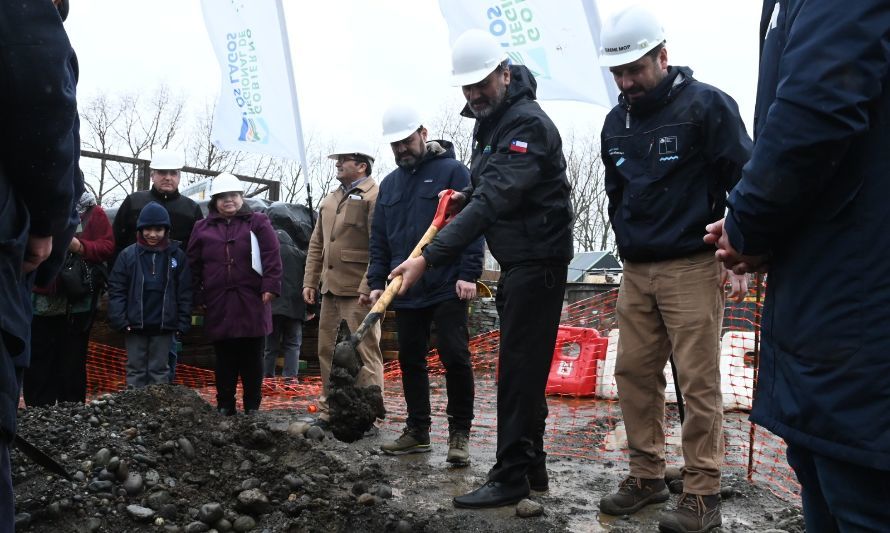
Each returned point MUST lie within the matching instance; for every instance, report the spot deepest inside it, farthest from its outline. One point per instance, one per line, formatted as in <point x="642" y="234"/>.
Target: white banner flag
<point x="257" y="108"/>
<point x="557" y="41"/>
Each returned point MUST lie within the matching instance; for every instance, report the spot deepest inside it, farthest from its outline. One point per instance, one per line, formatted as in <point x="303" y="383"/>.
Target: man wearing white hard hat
<point x="672" y="149"/>
<point x="519" y="200"/>
<point x="166" y="166"/>
<point x="336" y="264"/>
<point x="405" y="209"/>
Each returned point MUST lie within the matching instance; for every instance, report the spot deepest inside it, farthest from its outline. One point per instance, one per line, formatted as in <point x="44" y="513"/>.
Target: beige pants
<point x="333" y="309"/>
<point x="663" y="307"/>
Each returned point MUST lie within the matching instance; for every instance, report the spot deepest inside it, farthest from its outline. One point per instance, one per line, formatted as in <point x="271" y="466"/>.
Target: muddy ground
<point x="161" y="459"/>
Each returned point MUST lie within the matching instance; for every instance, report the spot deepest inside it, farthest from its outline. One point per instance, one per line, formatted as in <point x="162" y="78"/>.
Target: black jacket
<point x="184" y="212"/>
<point x="670" y="161"/>
<point x="519" y="191"/>
<point x="406" y="205"/>
<point x="814" y="198"/>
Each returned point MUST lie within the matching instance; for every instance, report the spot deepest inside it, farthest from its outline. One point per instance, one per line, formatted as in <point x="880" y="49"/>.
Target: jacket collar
<point x="667" y="89"/>
<point x="164" y="196"/>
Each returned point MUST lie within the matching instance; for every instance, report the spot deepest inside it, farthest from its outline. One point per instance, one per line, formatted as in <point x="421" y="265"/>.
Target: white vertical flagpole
<point x="301" y="147"/>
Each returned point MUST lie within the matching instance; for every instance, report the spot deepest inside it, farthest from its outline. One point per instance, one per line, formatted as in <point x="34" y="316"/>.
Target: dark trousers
<point x="58" y="370"/>
<point x="7" y="499"/>
<point x="529" y="303"/>
<point x="239" y="357"/>
<point x="839" y="496"/>
<point x="414" y="325"/>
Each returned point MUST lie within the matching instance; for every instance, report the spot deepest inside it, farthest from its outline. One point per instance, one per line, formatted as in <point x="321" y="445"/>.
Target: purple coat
<point x="225" y="283"/>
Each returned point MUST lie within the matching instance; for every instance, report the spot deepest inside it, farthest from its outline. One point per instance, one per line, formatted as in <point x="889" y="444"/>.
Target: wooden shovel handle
<point x="440" y="220"/>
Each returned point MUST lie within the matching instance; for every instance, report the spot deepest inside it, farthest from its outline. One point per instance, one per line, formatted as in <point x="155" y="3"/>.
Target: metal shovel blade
<point x="40" y="458"/>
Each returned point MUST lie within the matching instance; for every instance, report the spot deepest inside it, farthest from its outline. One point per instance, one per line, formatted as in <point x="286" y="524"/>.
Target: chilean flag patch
<point x="518" y="146"/>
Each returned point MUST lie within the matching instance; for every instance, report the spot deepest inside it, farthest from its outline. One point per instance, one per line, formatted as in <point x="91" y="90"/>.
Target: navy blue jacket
<point x="519" y="196"/>
<point x="406" y="205"/>
<point x="125" y="290"/>
<point x="39" y="179"/>
<point x="670" y="159"/>
<point x="814" y="197"/>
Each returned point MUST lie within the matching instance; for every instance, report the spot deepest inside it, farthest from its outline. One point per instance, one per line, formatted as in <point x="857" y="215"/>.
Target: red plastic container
<point x="573" y="371"/>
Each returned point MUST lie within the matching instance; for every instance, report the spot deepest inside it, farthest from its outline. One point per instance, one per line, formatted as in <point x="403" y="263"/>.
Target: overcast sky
<point x="352" y="58"/>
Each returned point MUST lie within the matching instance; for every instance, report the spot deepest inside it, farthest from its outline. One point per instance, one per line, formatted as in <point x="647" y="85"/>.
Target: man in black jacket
<point x="519" y="199"/>
<point x="405" y="209"/>
<point x="672" y="148"/>
<point x="39" y="185"/>
<point x="166" y="166"/>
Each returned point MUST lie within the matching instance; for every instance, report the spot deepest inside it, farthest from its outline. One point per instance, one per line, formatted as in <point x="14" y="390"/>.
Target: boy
<point x="150" y="297"/>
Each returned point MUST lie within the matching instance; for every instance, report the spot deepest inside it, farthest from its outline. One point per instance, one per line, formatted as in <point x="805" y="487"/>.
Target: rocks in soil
<point x="163" y="459"/>
<point x="529" y="508"/>
<point x="210" y="513"/>
<point x="140" y="514"/>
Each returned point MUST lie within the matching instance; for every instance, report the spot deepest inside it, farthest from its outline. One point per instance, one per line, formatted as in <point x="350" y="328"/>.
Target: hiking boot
<point x="458" y="448"/>
<point x="694" y="514"/>
<point x="413" y="440"/>
<point x="538" y="480"/>
<point x="633" y="494"/>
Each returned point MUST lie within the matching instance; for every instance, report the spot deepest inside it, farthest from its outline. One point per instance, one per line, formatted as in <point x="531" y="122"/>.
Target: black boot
<point x="494" y="494"/>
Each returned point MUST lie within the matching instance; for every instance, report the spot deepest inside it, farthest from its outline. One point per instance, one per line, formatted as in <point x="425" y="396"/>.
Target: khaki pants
<point x="333" y="309"/>
<point x="672" y="306"/>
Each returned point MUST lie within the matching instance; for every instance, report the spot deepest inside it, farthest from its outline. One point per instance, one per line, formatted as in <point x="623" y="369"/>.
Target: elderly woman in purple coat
<point x="236" y="266"/>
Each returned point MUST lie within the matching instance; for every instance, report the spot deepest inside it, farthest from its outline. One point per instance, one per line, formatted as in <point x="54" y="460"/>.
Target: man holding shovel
<point x="519" y="199"/>
<point x="336" y="265"/>
<point x="405" y="209"/>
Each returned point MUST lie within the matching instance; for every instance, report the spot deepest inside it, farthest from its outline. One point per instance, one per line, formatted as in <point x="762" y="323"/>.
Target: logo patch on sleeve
<point x="518" y="146"/>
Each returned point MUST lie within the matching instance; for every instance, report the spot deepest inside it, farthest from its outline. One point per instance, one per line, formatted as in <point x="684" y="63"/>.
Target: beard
<point x="491" y="104"/>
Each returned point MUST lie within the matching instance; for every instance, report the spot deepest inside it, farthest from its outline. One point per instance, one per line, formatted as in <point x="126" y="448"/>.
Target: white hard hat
<point x="225" y="182"/>
<point x="628" y="35"/>
<point x="167" y="160"/>
<point x="352" y="147"/>
<point x="474" y="55"/>
<point x="399" y="122"/>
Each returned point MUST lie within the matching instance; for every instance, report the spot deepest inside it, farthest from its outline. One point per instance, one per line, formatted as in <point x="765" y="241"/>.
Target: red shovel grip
<point x="442" y="218"/>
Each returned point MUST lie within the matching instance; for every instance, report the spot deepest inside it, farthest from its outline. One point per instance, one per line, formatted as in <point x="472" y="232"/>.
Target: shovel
<point x="40" y="458"/>
<point x="344" y="351"/>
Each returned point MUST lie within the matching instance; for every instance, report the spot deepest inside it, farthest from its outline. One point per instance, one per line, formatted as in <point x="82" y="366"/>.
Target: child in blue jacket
<point x="150" y="297"/>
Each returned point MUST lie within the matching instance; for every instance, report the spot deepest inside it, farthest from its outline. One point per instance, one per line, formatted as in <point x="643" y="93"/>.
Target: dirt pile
<point x="161" y="459"/>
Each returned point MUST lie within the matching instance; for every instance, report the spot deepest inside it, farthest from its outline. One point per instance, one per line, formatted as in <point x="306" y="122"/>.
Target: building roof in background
<point x="584" y="262"/>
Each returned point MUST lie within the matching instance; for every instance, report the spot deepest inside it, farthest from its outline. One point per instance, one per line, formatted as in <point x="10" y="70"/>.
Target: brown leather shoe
<point x="633" y="494"/>
<point x="694" y="514"/>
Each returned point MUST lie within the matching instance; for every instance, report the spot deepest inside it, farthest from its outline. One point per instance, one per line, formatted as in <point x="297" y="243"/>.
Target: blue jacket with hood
<point x="127" y="283"/>
<point x="406" y="205"/>
<point x="813" y="199"/>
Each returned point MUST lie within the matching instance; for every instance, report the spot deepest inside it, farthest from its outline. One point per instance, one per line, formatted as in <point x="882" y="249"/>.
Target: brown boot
<point x="633" y="494"/>
<point x="694" y="514"/>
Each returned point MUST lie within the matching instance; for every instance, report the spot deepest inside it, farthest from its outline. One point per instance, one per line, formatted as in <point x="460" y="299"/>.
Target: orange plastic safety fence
<point x="586" y="425"/>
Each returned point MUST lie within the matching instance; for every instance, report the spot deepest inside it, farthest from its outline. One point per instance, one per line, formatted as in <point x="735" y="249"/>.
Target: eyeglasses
<point x="167" y="172"/>
<point x="345" y="158"/>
